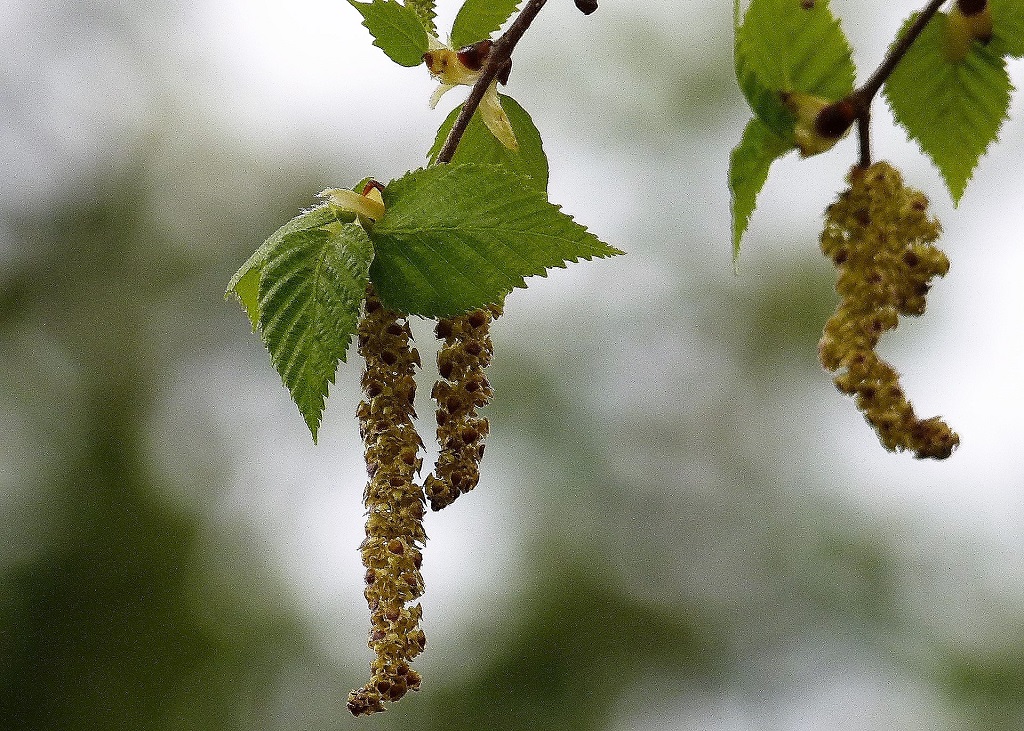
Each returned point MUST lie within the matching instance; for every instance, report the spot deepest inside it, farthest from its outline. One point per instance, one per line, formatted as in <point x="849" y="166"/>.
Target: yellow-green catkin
<point x="880" y="237"/>
<point x="394" y="507"/>
<point x="461" y="390"/>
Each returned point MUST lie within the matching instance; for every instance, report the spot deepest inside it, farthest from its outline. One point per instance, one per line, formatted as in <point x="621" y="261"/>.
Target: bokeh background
<point x="681" y="524"/>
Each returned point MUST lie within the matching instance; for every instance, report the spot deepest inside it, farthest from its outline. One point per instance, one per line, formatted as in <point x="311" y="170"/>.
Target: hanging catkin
<point x="394" y="507"/>
<point x="461" y="390"/>
<point x="880" y="238"/>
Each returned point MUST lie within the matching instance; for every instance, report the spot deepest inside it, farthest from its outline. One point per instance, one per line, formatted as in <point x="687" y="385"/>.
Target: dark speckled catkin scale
<point x="394" y="507"/>
<point x="461" y="390"/>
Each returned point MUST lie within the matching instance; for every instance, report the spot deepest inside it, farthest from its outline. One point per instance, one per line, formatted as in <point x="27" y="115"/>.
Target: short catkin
<point x="461" y="389"/>
<point x="881" y="239"/>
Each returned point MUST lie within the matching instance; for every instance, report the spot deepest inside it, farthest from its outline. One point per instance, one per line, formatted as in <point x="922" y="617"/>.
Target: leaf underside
<point x="396" y="30"/>
<point x="748" y="170"/>
<point x="781" y="46"/>
<point x="244" y="285"/>
<point x="478" y="19"/>
<point x="1007" y="27"/>
<point x="310" y="292"/>
<point x="953" y="109"/>
<point x="424" y="10"/>
<point x="479" y="145"/>
<point x="459" y="237"/>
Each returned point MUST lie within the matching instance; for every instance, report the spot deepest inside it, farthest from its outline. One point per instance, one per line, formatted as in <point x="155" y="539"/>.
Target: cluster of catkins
<point x="880" y="237"/>
<point x="395" y="503"/>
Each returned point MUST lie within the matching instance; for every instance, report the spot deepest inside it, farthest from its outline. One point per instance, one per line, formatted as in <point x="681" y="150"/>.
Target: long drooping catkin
<point x="880" y="237"/>
<point x="461" y="390"/>
<point x="394" y="507"/>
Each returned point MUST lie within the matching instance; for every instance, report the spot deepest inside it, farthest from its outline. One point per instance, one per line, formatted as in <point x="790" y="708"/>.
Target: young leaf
<point x="480" y="146"/>
<point x="424" y="9"/>
<point x="396" y="30"/>
<point x="748" y="169"/>
<point x="1007" y="27"/>
<point x="783" y="46"/>
<point x="477" y="19"/>
<point x="244" y="285"/>
<point x="953" y="109"/>
<point x="310" y="291"/>
<point x="459" y="237"/>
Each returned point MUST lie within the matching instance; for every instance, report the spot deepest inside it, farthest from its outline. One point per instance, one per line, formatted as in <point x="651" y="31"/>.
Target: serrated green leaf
<point x="477" y="19"/>
<point x="748" y="169"/>
<point x="245" y="282"/>
<point x="459" y="237"/>
<point x="782" y="47"/>
<point x="310" y="292"/>
<point x="424" y="10"/>
<point x="1007" y="27"/>
<point x="247" y="290"/>
<point x="479" y="145"/>
<point x="953" y="109"/>
<point x="396" y="30"/>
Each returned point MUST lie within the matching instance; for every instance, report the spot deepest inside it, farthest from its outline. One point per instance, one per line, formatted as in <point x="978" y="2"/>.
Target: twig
<point x="863" y="96"/>
<point x="501" y="53"/>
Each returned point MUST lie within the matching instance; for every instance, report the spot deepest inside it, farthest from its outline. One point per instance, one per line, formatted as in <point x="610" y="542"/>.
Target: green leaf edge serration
<point x="396" y="30"/>
<point x="312" y="218"/>
<point x="928" y="94"/>
<point x="310" y="293"/>
<point x="478" y="19"/>
<point x="432" y="268"/>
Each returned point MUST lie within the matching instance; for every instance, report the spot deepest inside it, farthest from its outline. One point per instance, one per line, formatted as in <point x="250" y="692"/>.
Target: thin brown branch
<point x="864" y="135"/>
<point x="500" y="55"/>
<point x="863" y="96"/>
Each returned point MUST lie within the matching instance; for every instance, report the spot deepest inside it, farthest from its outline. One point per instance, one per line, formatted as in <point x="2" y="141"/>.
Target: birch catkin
<point x="461" y="390"/>
<point x="394" y="507"/>
<point x="880" y="238"/>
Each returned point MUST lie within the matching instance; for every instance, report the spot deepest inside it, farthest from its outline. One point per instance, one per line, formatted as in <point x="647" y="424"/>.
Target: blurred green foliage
<point x="683" y="550"/>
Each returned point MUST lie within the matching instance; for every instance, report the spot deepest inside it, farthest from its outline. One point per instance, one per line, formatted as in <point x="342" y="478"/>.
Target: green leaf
<point x="479" y="145"/>
<point x="748" y="169"/>
<point x="396" y="30"/>
<point x="953" y="109"/>
<point x="477" y="19"/>
<point x="244" y="285"/>
<point x="424" y="10"/>
<point x="310" y="292"/>
<point x="459" y="237"/>
<point x="782" y="47"/>
<point x="1007" y="27"/>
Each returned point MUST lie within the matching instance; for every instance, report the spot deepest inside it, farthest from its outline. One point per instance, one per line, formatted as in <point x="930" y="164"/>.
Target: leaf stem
<point x="500" y="55"/>
<point x="863" y="96"/>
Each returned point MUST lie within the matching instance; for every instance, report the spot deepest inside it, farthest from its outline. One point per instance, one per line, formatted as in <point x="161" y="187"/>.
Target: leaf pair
<point x="401" y="31"/>
<point x="453" y="238"/>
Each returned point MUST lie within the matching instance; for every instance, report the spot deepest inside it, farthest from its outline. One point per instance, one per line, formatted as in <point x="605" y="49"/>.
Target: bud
<point x="967" y="22"/>
<point x="475" y="56"/>
<point x="820" y="124"/>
